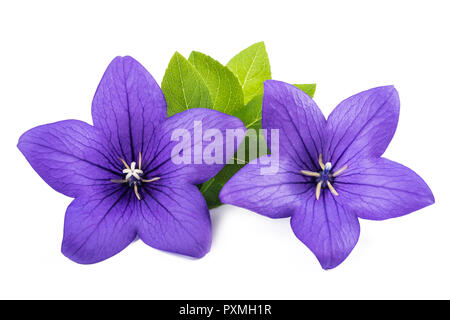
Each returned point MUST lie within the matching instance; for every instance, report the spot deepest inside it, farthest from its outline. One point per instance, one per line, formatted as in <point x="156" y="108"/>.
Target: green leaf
<point x="184" y="87"/>
<point x="251" y="66"/>
<point x="309" y="89"/>
<point x="224" y="88"/>
<point x="251" y="114"/>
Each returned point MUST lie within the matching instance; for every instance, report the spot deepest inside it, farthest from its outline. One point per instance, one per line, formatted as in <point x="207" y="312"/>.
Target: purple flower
<point x="120" y="171"/>
<point x="330" y="171"/>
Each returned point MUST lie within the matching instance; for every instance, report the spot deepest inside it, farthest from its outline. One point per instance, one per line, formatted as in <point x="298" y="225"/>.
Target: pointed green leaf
<point x="184" y="87"/>
<point x="224" y="88"/>
<point x="251" y="114"/>
<point x="251" y="66"/>
<point x="309" y="89"/>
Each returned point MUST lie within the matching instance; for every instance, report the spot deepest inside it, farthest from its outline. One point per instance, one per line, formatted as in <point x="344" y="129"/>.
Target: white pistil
<point x="325" y="171"/>
<point x="131" y="171"/>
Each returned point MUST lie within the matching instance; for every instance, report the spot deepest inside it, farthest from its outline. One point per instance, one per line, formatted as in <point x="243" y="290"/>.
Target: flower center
<point x="325" y="177"/>
<point x="133" y="176"/>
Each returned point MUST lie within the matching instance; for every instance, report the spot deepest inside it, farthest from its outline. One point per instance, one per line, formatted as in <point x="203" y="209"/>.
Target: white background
<point x="53" y="54"/>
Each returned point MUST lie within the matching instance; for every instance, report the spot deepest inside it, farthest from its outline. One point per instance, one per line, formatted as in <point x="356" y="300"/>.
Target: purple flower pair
<point x="120" y="171"/>
<point x="330" y="171"/>
<point x="126" y="186"/>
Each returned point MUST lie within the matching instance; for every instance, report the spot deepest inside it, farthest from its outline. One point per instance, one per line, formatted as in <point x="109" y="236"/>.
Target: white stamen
<point x="151" y="180"/>
<point x="335" y="174"/>
<point x="325" y="167"/>
<point x="310" y="173"/>
<point x="125" y="164"/>
<point x="321" y="162"/>
<point x="119" y="181"/>
<point x="136" y="192"/>
<point x="318" y="187"/>
<point x="332" y="189"/>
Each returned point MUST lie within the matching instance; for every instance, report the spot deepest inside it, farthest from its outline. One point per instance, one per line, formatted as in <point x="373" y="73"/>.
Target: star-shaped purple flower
<point x="120" y="171"/>
<point x="330" y="171"/>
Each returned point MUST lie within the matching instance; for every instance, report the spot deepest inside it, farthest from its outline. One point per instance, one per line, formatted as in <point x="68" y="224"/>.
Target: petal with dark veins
<point x="327" y="228"/>
<point x="382" y="189"/>
<point x="71" y="156"/>
<point x="174" y="218"/>
<point x="300" y="122"/>
<point x="159" y="158"/>
<point x="127" y="107"/>
<point x="362" y="126"/>
<point x="99" y="225"/>
<point x="274" y="196"/>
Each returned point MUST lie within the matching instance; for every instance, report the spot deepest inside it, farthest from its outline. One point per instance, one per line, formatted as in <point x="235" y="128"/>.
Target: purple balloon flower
<point x="330" y="171"/>
<point x="120" y="171"/>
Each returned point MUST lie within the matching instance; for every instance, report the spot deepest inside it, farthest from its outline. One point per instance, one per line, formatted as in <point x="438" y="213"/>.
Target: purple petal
<point x="381" y="189"/>
<point x="175" y="218"/>
<point x="362" y="126"/>
<point x="127" y="106"/>
<point x="71" y="156"/>
<point x="99" y="225"/>
<point x="159" y="161"/>
<point x="326" y="228"/>
<point x="274" y="196"/>
<point x="300" y="121"/>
